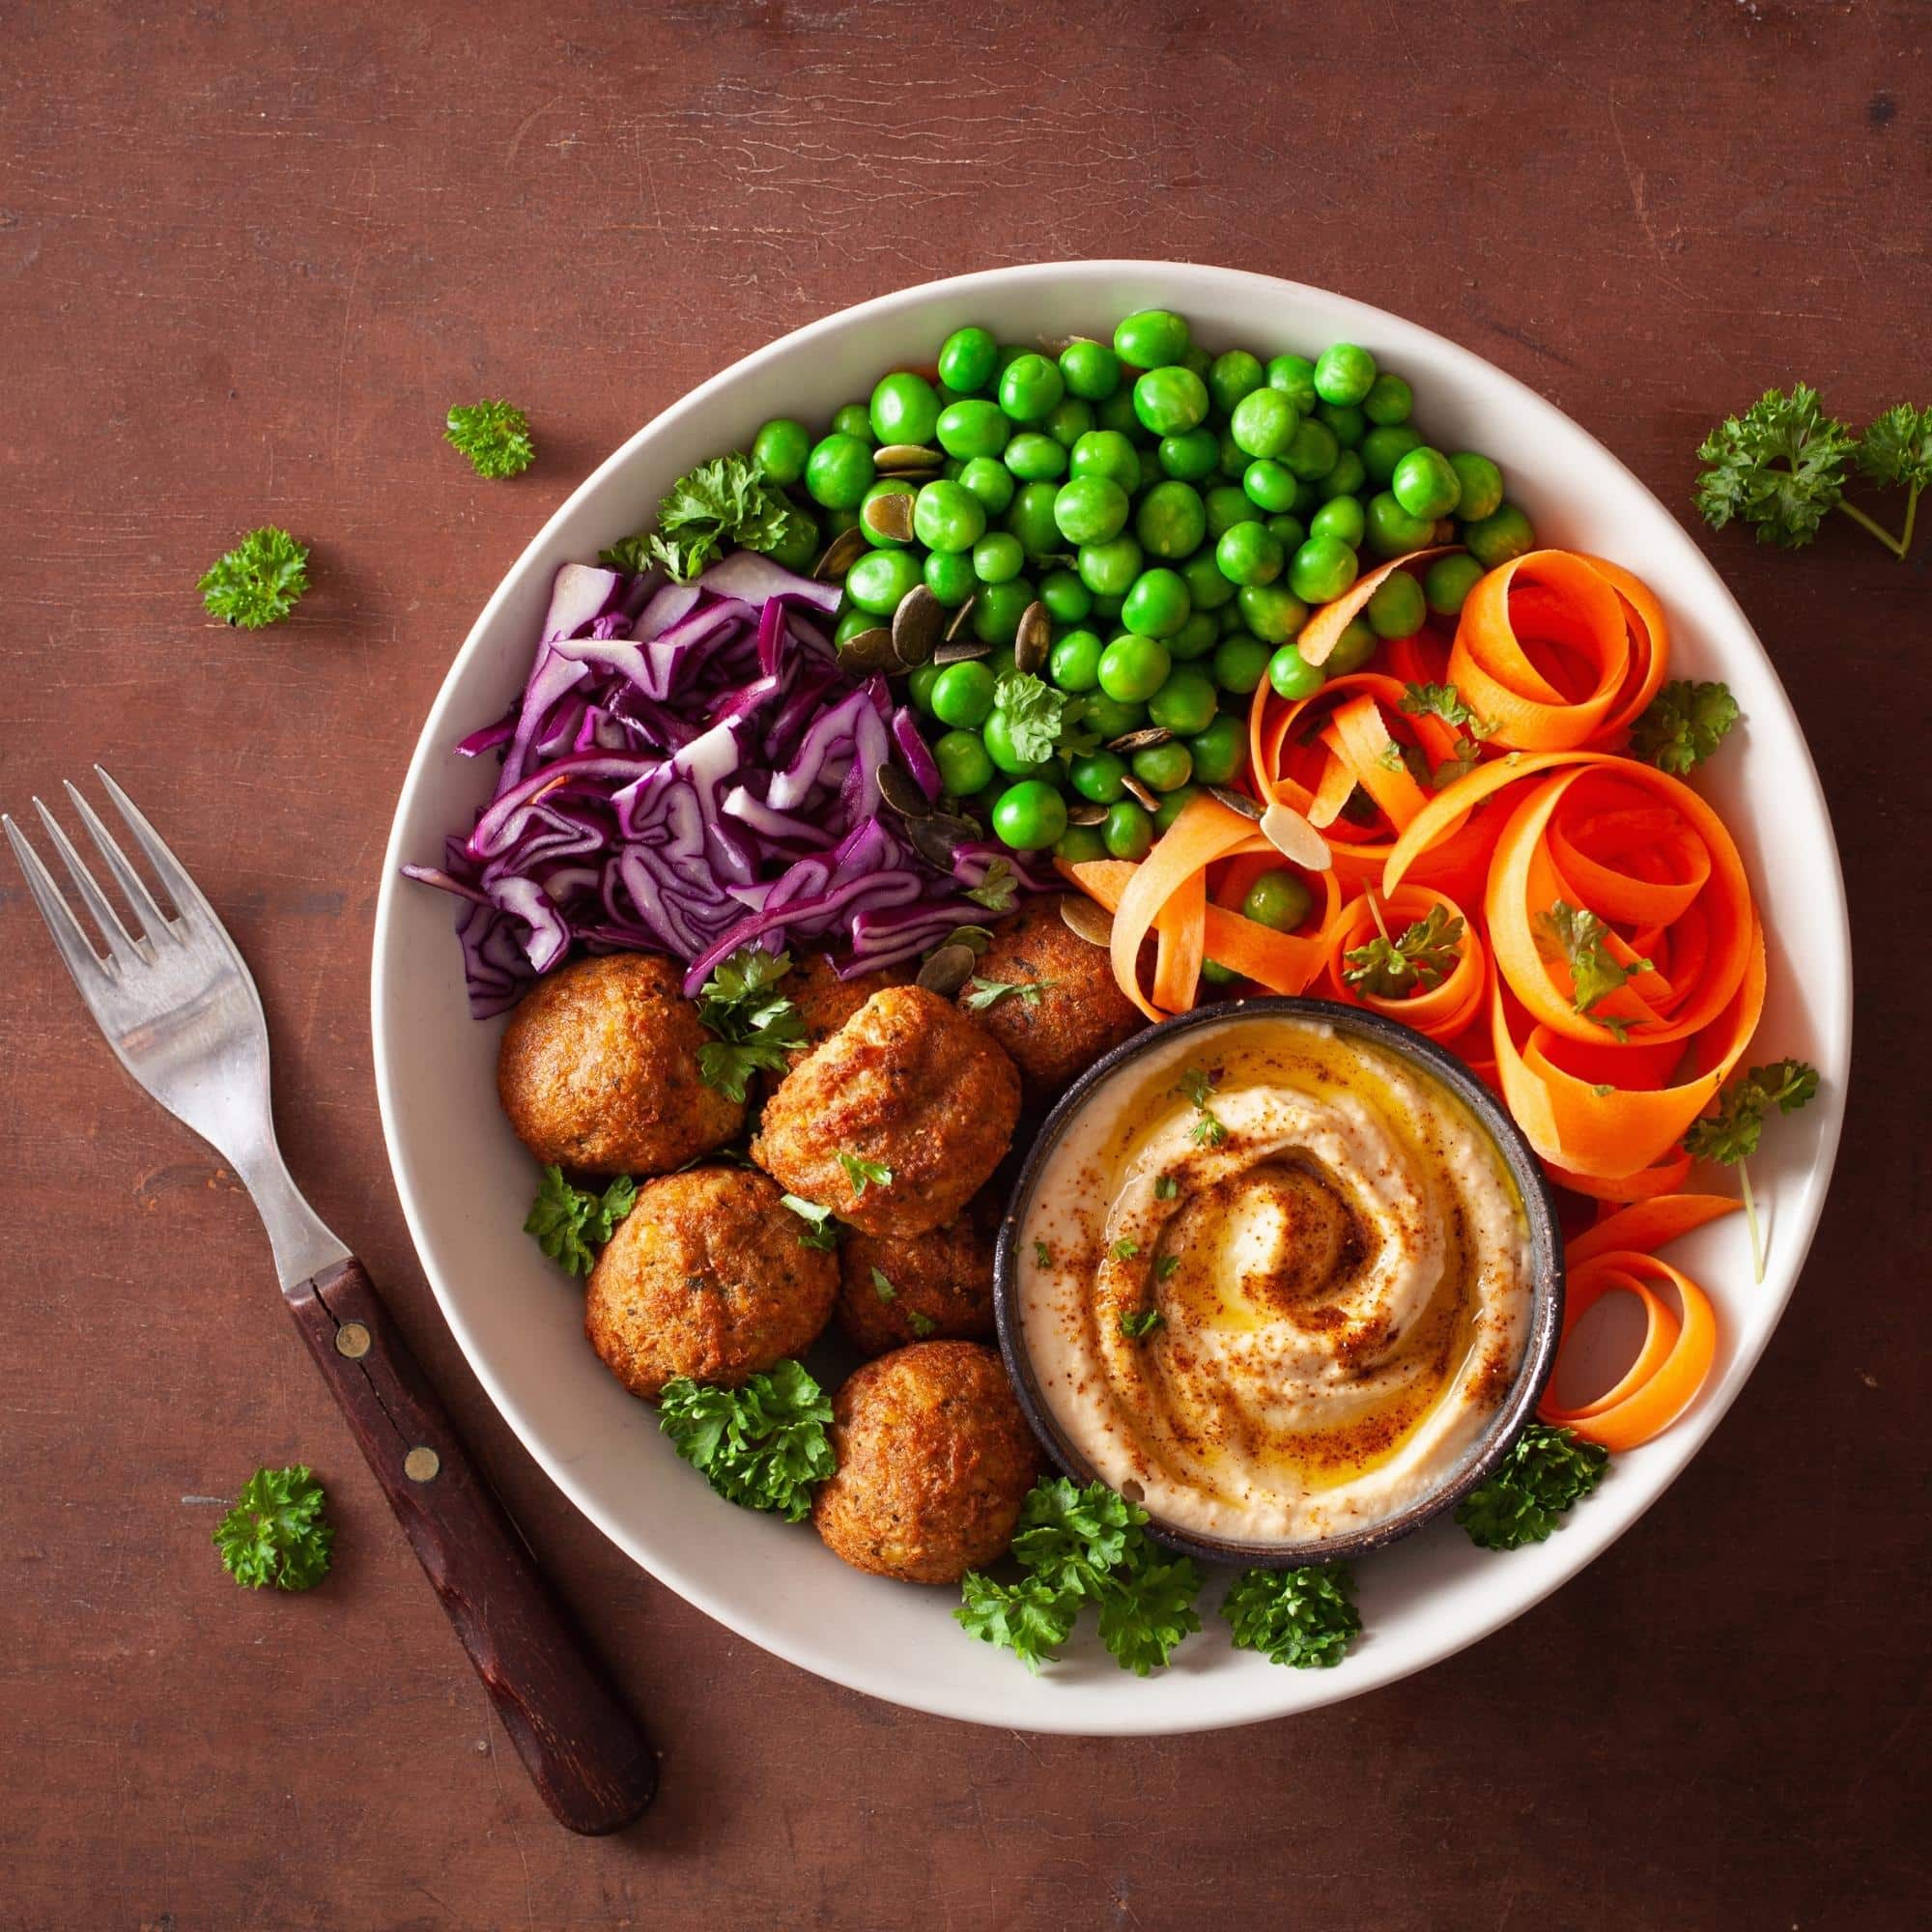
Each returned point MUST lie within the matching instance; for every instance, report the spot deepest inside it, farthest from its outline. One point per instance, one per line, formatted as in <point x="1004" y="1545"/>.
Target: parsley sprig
<point x="756" y="1026"/>
<point x="1581" y="940"/>
<point x="570" y="1225"/>
<point x="1079" y="1546"/>
<point x="1730" y="1135"/>
<point x="762" y="1446"/>
<point x="257" y="583"/>
<point x="1197" y="1085"/>
<point x="821" y="1228"/>
<point x="862" y="1173"/>
<point x="996" y="888"/>
<point x="1419" y="961"/>
<point x="1684" y="724"/>
<point x="1035" y="714"/>
<point x="1546" y="1471"/>
<point x="1303" y="1618"/>
<point x="726" y="503"/>
<point x="494" y="436"/>
<point x="986" y="993"/>
<point x="276" y="1532"/>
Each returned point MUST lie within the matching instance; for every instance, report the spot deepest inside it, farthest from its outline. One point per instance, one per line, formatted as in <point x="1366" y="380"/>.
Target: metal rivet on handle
<point x="351" y="1339"/>
<point x="421" y="1464"/>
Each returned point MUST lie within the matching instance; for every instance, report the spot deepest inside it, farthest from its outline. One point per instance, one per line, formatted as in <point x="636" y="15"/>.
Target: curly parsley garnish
<point x="1421" y="959"/>
<point x="756" y="1026"/>
<point x="762" y="1446"/>
<point x="1581" y="940"/>
<point x="1545" y="1470"/>
<point x="1197" y="1085"/>
<point x="258" y="581"/>
<point x="1684" y="723"/>
<point x="1138" y="1324"/>
<point x="1082" y="1545"/>
<point x="821" y="1229"/>
<point x="859" y="1173"/>
<point x="1304" y="1618"/>
<point x="995" y="891"/>
<point x="494" y="436"/>
<point x="726" y="503"/>
<point x="276" y="1532"/>
<point x="1730" y="1135"/>
<point x="987" y="993"/>
<point x="571" y="1225"/>
<point x="1033" y="711"/>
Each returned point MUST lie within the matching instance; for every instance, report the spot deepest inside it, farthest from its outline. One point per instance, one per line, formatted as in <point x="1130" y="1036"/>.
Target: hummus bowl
<point x="1286" y="1273"/>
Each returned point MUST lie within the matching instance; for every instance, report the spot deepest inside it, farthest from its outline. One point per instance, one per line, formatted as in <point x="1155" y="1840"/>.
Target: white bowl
<point x="465" y="1183"/>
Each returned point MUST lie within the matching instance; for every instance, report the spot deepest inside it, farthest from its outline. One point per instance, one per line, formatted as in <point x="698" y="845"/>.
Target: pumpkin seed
<point x="889" y="516"/>
<point x="1084" y="812"/>
<point x="841" y="554"/>
<point x="1093" y="922"/>
<point x="938" y="835"/>
<point x="946" y="971"/>
<point x="1142" y="793"/>
<point x="959" y="617"/>
<point x="1141" y="739"/>
<point x="870" y="651"/>
<point x="916" y="626"/>
<point x="1235" y="800"/>
<point x="901" y="459"/>
<point x="962" y="650"/>
<point x="1033" y="638"/>
<point x="903" y="794"/>
<point x="1294" y="838"/>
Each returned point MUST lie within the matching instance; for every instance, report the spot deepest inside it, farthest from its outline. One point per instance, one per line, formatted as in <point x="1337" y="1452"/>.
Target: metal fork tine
<point x="190" y="900"/>
<point x="130" y="882"/>
<point x="91" y="973"/>
<point x="119" y="941"/>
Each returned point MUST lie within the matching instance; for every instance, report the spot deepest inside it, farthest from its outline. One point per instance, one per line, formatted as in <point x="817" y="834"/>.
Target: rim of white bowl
<point x="1583" y="1544"/>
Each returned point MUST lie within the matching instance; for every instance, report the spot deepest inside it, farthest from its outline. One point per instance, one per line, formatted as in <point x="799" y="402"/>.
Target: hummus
<point x="1276" y="1277"/>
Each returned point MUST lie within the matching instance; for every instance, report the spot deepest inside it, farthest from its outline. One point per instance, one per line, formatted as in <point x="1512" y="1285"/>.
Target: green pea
<point x="1109" y="569"/>
<point x="1263" y="423"/>
<point x="1229" y="618"/>
<point x="781" y="448"/>
<point x="1230" y="458"/>
<point x="886" y="486"/>
<point x="1173" y="804"/>
<point x="1291" y="533"/>
<point x="1111" y="717"/>
<point x="1106" y="452"/>
<point x="998" y="558"/>
<point x="1098" y="776"/>
<point x="855" y="419"/>
<point x="1345" y="419"/>
<point x="1392" y="530"/>
<point x="963" y="696"/>
<point x="1069" y="421"/>
<point x="1116" y="412"/>
<point x="1164" y="767"/>
<point x="1267" y="485"/>
<point x="1214" y="974"/>
<point x="838" y="472"/>
<point x="1308" y="496"/>
<point x="1342" y="519"/>
<point x="990" y="481"/>
<point x="881" y="578"/>
<point x="1091" y="510"/>
<point x="1157" y="604"/>
<point x="1080" y="843"/>
<point x="1482" y="485"/>
<point x="919" y="687"/>
<point x="1074" y="662"/>
<point x="998" y="738"/>
<point x="948" y="516"/>
<point x="1221" y="750"/>
<point x="1294" y="377"/>
<point x="1035" y="458"/>
<point x="1198" y="360"/>
<point x="1172" y="520"/>
<point x="1396" y="606"/>
<point x="1067" y="600"/>
<point x="973" y="428"/>
<point x="1240" y="661"/>
<point x="904" y="408"/>
<point x="1344" y="373"/>
<point x="1186" y="703"/>
<point x="966" y="359"/>
<point x="1312" y="452"/>
<point x="1345" y="479"/>
<point x="949" y="575"/>
<point x="1132" y="669"/>
<point x="1425" y="484"/>
<point x="1321" y="571"/>
<point x="1190" y="455"/>
<point x="1031" y="519"/>
<point x="838" y="521"/>
<point x="1389" y="400"/>
<point x="1092" y="371"/>
<point x="1170" y="402"/>
<point x="1030" y="816"/>
<point x="964" y="767"/>
<point x="1106" y="608"/>
<point x="1150" y="338"/>
<point x="853" y="622"/>
<point x="1247" y="554"/>
<point x="1292" y="676"/>
<point x="1272" y="611"/>
<point x="1504" y="534"/>
<point x="1227" y="504"/>
<point x="1030" y="388"/>
<point x="1196" y="637"/>
<point x="1279" y="900"/>
<point x="798" y="543"/>
<point x="1384" y="448"/>
<point x="1127" y="831"/>
<point x="1206" y="588"/>
<point x="1353" y="648"/>
<point x="997" y="613"/>
<point x="1447" y="582"/>
<point x="1232" y="375"/>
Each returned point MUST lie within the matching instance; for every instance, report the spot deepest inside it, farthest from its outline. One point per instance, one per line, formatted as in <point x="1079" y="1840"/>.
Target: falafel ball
<point x="908" y="1085"/>
<point x="598" y="1070"/>
<point x="935" y="1461"/>
<point x="706" y="1277"/>
<point x="893" y="1291"/>
<point x="824" y="1001"/>
<point x="1078" y="1014"/>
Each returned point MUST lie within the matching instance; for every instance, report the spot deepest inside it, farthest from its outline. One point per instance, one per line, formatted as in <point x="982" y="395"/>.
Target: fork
<point x="180" y="1009"/>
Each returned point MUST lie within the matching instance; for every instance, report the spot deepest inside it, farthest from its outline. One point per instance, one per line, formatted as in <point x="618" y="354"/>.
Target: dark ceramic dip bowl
<point x="1546" y="1272"/>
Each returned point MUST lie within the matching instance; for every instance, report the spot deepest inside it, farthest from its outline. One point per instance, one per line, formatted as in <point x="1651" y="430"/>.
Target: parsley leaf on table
<point x="1545" y="1470"/>
<point x="761" y="1446"/>
<point x="1730" y="1134"/>
<point x="494" y="436"/>
<point x="725" y="502"/>
<point x="1420" y="960"/>
<point x="1780" y="468"/>
<point x="1581" y="940"/>
<point x="1684" y="724"/>
<point x="756" y="1026"/>
<point x="1896" y="447"/>
<point x="258" y="581"/>
<point x="571" y="1225"/>
<point x="1303" y="1618"/>
<point x="276" y="1532"/>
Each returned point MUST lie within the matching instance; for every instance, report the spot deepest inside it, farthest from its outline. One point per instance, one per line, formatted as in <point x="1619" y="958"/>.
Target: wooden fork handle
<point x="587" y="1754"/>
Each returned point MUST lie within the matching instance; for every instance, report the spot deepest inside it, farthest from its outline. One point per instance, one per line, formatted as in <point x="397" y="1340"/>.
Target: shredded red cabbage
<point x="687" y="771"/>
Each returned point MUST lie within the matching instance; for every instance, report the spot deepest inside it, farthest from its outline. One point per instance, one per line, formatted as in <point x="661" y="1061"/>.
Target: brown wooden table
<point x="243" y="270"/>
